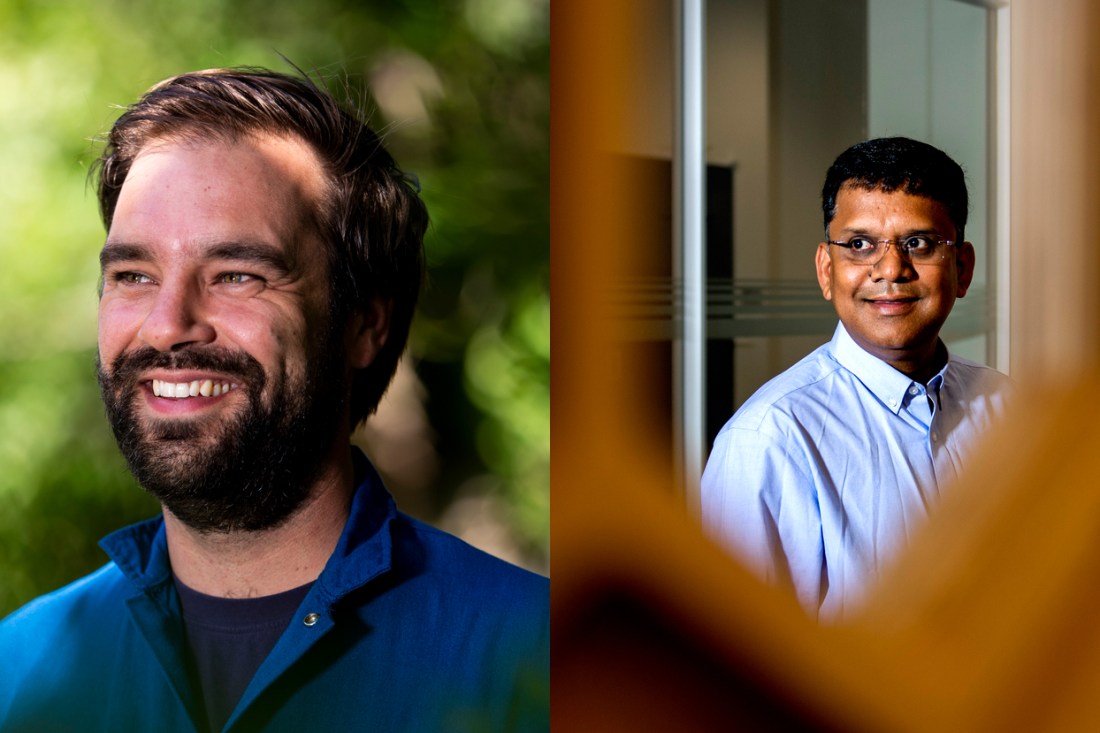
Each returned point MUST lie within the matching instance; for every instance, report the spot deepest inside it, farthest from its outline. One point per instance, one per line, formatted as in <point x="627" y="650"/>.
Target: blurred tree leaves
<point x="459" y="88"/>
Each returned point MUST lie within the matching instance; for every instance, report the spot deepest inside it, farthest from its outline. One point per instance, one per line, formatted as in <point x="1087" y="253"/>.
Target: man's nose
<point x="892" y="265"/>
<point x="176" y="318"/>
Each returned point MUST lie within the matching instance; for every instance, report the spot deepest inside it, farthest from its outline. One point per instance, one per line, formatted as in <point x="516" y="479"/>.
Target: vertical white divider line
<point x="689" y="258"/>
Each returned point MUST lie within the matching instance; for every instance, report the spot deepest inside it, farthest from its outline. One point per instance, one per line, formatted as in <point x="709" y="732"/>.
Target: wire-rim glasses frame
<point x="918" y="249"/>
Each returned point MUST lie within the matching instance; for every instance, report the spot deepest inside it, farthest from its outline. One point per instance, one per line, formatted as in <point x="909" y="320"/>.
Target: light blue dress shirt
<point x="824" y="473"/>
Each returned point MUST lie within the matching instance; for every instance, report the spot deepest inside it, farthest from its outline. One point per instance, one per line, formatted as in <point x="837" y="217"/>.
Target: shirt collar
<point x="885" y="382"/>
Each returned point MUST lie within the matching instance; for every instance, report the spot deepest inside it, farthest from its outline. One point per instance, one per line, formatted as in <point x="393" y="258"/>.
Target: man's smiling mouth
<point x="893" y="300"/>
<point x="194" y="388"/>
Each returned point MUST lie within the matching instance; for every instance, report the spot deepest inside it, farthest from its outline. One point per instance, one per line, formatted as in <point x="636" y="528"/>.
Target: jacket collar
<point x="363" y="552"/>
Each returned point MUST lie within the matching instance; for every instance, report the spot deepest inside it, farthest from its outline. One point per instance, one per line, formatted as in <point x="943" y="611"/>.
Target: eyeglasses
<point x="919" y="249"/>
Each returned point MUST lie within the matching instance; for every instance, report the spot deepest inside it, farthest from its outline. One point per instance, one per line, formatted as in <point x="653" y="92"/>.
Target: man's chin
<point x="154" y="428"/>
<point x="175" y="431"/>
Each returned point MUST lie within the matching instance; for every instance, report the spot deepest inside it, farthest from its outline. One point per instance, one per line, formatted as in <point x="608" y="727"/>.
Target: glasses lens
<point x="921" y="250"/>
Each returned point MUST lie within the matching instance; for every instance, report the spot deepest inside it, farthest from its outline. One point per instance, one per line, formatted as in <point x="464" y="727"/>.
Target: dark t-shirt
<point x="229" y="638"/>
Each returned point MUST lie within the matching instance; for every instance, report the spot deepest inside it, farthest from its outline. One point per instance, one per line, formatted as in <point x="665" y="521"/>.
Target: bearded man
<point x="261" y="267"/>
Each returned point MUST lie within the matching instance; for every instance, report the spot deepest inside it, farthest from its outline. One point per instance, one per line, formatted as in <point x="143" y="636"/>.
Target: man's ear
<point x="824" y="265"/>
<point x="964" y="259"/>
<point x="367" y="330"/>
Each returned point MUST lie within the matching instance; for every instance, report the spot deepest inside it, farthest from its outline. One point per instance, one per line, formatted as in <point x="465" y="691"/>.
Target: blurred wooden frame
<point x="988" y="623"/>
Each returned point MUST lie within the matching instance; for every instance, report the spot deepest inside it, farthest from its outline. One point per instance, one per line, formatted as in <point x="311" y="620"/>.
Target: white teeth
<point x="196" y="388"/>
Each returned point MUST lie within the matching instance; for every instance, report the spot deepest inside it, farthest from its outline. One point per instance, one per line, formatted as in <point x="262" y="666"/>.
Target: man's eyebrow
<point x="860" y="231"/>
<point x="257" y="252"/>
<point x="113" y="252"/>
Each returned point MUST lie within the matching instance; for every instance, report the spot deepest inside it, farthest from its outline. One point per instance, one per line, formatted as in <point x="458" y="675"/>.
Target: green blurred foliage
<point x="459" y="89"/>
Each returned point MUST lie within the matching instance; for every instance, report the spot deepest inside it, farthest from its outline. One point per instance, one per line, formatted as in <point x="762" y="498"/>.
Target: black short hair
<point x="371" y="217"/>
<point x="899" y="163"/>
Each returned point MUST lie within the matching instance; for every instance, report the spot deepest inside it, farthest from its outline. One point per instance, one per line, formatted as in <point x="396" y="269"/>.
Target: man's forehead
<point x="287" y="153"/>
<point x="858" y="185"/>
<point x="247" y="189"/>
<point x="860" y="209"/>
<point x="858" y="191"/>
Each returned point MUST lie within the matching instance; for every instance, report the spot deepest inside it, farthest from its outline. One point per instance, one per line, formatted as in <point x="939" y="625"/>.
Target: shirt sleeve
<point x="760" y="502"/>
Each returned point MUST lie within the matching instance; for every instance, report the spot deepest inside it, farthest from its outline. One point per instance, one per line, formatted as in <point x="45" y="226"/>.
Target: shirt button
<point x="311" y="619"/>
<point x="893" y="403"/>
<point x="914" y="390"/>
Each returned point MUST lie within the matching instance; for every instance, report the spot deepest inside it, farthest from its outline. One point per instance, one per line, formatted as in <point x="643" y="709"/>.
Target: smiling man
<point x="262" y="262"/>
<point x="819" y="478"/>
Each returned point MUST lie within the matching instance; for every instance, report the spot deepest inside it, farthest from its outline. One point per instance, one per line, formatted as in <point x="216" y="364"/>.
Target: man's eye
<point x="235" y="278"/>
<point x="861" y="244"/>
<point x="917" y="245"/>
<point x="132" y="278"/>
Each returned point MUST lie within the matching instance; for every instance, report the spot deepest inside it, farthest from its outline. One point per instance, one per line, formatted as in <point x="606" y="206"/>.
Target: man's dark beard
<point x="216" y="474"/>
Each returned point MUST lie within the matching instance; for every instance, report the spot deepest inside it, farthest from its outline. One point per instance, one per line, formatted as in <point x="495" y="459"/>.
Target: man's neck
<point x="253" y="564"/>
<point x="922" y="370"/>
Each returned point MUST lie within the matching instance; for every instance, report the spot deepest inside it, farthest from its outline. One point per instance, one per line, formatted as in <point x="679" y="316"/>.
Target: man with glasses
<point x="819" y="478"/>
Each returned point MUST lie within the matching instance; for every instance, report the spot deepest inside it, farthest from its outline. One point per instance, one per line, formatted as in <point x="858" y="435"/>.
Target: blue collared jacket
<point x="406" y="629"/>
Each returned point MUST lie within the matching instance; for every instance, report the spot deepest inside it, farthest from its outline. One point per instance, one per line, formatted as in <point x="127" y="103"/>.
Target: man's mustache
<point x="129" y="365"/>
